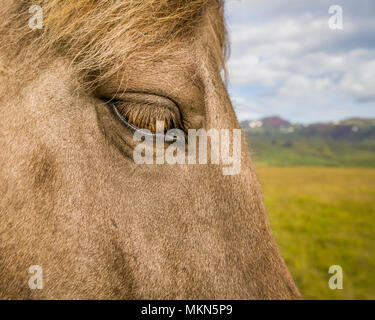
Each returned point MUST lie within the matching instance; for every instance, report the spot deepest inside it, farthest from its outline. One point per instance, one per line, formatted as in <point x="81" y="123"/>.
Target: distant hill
<point x="351" y="129"/>
<point x="276" y="141"/>
<point x="359" y="122"/>
<point x="269" y="122"/>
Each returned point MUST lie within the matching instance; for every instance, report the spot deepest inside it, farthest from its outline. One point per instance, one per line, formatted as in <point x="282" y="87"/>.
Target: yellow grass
<point x="322" y="217"/>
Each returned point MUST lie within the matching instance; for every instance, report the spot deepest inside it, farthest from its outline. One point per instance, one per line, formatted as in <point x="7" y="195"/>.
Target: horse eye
<point x="139" y="113"/>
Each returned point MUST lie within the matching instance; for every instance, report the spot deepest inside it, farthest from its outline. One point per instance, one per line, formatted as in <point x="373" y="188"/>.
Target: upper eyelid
<point x="124" y="121"/>
<point x="152" y="99"/>
<point x="144" y="97"/>
<point x="132" y="126"/>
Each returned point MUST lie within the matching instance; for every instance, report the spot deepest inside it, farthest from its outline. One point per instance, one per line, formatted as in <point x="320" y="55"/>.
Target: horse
<point x="75" y="207"/>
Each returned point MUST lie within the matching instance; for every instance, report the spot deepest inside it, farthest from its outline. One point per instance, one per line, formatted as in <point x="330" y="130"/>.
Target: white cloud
<point x="360" y="82"/>
<point x="289" y="50"/>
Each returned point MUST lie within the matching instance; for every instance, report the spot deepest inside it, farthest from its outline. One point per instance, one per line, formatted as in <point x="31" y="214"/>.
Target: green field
<point x="322" y="217"/>
<point x="292" y="150"/>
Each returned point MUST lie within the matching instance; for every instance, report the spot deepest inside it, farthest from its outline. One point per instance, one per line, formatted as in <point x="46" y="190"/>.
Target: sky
<point x="286" y="60"/>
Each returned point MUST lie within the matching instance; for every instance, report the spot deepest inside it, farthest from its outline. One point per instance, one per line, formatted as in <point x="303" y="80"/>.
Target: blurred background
<point x="304" y="93"/>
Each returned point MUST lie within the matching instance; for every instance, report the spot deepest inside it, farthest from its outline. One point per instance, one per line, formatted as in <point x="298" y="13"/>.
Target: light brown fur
<point x="71" y="198"/>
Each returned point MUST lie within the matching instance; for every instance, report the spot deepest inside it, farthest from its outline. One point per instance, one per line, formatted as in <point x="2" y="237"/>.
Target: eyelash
<point x="145" y="115"/>
<point x="125" y="121"/>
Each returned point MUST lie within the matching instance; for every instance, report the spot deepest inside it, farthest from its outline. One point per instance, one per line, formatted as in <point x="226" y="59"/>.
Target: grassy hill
<point x="276" y="142"/>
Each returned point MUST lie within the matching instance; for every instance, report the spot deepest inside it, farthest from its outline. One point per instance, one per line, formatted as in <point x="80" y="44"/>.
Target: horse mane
<point x="87" y="31"/>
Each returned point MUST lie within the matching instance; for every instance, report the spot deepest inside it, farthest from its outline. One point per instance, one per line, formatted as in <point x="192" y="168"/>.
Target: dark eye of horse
<point x="142" y="111"/>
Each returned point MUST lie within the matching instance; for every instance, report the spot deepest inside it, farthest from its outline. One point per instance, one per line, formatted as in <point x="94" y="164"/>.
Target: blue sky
<point x="285" y="60"/>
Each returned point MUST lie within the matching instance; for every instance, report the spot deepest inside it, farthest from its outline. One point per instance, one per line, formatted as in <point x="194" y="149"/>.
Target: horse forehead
<point x="102" y="36"/>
